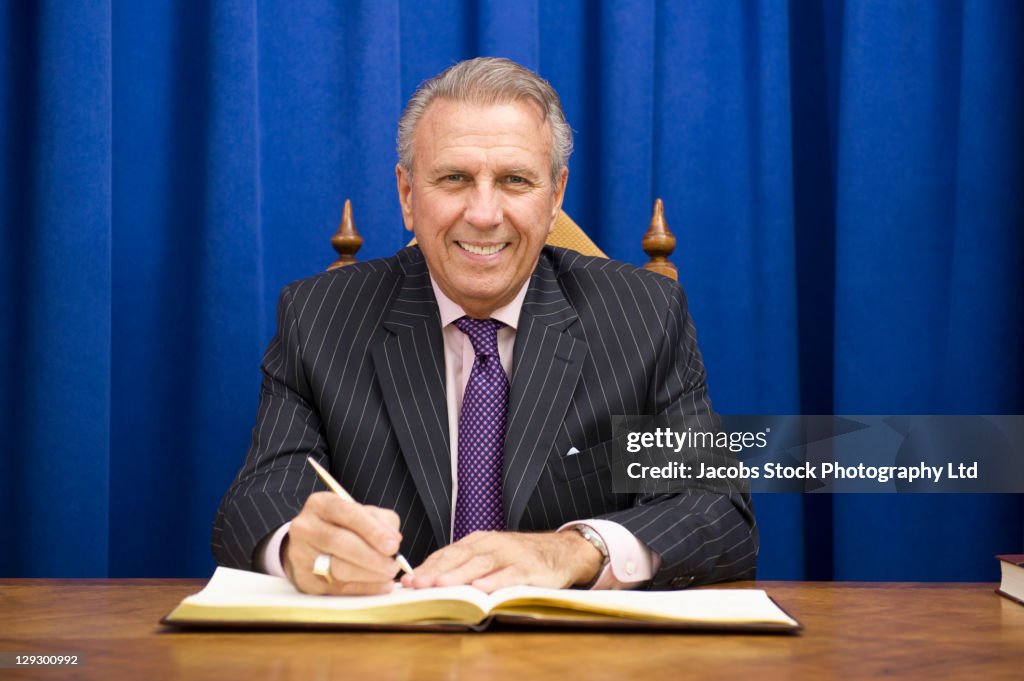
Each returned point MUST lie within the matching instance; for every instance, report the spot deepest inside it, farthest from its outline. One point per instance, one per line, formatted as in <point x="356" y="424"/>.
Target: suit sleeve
<point x="704" y="533"/>
<point x="275" y="480"/>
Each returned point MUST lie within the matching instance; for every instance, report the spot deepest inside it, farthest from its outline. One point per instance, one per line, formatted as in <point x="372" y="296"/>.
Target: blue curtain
<point x="845" y="180"/>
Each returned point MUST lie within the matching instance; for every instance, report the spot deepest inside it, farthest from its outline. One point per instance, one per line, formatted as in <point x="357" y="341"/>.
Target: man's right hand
<point x="361" y="540"/>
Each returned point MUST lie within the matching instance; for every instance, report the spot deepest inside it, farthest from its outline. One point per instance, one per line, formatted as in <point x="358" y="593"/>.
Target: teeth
<point x="482" y="250"/>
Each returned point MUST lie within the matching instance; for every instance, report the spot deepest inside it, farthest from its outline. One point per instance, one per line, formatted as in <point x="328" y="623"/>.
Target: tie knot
<point x="483" y="334"/>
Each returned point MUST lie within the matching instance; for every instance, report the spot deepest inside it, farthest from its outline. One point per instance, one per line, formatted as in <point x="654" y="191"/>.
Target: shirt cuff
<point x="269" y="556"/>
<point x="630" y="562"/>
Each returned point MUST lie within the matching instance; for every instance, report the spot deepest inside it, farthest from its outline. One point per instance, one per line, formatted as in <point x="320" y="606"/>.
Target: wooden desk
<point x="853" y="631"/>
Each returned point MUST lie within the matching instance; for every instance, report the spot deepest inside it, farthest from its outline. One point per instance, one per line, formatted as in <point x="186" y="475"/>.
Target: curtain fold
<point x="928" y="232"/>
<point x="845" y="181"/>
<point x="57" y="294"/>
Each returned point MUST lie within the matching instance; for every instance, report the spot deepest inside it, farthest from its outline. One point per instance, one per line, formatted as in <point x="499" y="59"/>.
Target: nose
<point x="483" y="208"/>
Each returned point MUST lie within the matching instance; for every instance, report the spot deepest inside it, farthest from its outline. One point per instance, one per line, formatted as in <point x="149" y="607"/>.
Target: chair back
<point x="658" y="242"/>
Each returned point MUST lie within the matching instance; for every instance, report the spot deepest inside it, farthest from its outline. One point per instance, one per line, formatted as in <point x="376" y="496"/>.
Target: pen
<point x="340" y="491"/>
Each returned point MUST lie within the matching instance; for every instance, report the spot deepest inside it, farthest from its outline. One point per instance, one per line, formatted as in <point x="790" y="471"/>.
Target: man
<point x="463" y="389"/>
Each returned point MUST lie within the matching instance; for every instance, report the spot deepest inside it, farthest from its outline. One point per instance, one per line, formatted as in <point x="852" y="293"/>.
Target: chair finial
<point x="658" y="244"/>
<point x="346" y="241"/>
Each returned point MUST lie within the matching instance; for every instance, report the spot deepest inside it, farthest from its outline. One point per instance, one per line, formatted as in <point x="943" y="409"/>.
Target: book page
<point x="249" y="596"/>
<point x="715" y="606"/>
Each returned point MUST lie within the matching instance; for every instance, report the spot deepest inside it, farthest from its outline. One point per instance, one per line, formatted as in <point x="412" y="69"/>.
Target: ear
<point x="563" y="180"/>
<point x="404" y="180"/>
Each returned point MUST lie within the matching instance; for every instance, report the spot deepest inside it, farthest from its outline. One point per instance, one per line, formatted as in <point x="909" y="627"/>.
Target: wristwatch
<point x="595" y="540"/>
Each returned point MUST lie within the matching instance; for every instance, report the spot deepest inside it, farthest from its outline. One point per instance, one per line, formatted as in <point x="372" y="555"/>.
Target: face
<point x="480" y="198"/>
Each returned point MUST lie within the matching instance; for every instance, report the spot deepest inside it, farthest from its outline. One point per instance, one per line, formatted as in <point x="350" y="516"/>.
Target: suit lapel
<point x="410" y="368"/>
<point x="546" y="366"/>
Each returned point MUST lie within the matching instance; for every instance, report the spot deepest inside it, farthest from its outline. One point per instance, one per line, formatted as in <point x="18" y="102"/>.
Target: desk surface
<point x="853" y="630"/>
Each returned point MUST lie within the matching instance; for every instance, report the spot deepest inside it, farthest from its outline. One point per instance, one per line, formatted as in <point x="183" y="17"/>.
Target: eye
<point x="454" y="178"/>
<point x="516" y="179"/>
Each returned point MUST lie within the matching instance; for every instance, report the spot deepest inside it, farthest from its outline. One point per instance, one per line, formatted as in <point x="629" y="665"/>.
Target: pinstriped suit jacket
<point x="355" y="377"/>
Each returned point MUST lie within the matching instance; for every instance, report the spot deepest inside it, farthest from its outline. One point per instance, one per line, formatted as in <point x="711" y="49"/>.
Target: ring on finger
<point x="322" y="567"/>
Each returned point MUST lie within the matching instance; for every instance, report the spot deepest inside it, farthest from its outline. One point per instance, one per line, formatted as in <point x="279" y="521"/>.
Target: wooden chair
<point x="658" y="243"/>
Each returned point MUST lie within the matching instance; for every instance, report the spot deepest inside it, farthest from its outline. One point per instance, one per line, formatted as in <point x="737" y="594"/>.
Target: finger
<point x="453" y="556"/>
<point x="354" y="557"/>
<point x="298" y="566"/>
<point x="511" y="575"/>
<point x="379" y="534"/>
<point x="311" y="534"/>
<point x="385" y="516"/>
<point x="347" y="579"/>
<point x="437" y="563"/>
<point x="467" y="559"/>
<point x="348" y="569"/>
<point x="473" y="569"/>
<point x="372" y="526"/>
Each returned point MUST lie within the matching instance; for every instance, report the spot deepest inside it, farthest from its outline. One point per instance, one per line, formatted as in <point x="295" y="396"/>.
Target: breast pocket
<point x="583" y="482"/>
<point x="594" y="460"/>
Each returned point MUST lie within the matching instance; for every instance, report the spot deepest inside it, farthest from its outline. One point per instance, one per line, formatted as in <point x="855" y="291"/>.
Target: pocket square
<point x="572" y="452"/>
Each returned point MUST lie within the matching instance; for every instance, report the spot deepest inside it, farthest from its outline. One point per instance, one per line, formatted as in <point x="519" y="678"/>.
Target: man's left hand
<point x="492" y="560"/>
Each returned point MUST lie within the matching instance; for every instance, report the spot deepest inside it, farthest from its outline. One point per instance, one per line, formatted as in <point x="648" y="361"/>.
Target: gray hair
<point x="488" y="80"/>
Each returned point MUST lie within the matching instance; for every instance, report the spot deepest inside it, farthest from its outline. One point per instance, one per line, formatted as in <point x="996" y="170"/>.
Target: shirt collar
<point x="507" y="314"/>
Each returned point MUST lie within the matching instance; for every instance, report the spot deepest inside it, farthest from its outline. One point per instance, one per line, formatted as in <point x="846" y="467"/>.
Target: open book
<point x="234" y="598"/>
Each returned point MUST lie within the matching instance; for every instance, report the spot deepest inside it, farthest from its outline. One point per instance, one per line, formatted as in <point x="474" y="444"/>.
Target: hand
<point x="492" y="560"/>
<point x="361" y="540"/>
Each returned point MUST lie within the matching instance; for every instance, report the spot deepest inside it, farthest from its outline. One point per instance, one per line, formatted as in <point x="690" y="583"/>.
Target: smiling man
<point x="481" y="195"/>
<point x="463" y="390"/>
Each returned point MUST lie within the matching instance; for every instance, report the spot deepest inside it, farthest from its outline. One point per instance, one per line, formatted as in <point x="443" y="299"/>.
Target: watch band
<point x="595" y="540"/>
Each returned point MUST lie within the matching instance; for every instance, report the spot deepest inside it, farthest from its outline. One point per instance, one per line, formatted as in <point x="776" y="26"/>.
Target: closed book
<point x="1012" y="585"/>
<point x="236" y="598"/>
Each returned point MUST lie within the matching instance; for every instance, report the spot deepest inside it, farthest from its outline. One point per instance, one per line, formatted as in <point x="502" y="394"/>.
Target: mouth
<point x="489" y="249"/>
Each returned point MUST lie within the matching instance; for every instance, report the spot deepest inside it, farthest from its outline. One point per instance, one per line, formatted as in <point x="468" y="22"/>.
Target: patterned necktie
<point x="481" y="433"/>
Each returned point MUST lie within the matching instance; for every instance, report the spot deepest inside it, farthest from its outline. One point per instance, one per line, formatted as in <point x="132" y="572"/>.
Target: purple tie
<point x="481" y="433"/>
